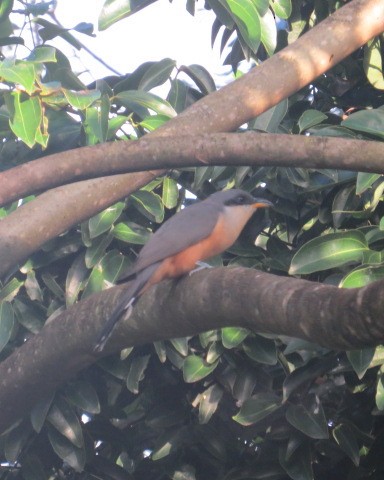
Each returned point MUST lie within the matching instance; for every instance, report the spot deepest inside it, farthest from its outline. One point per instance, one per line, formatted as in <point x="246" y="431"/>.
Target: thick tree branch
<point x="235" y="149"/>
<point x="298" y="64"/>
<point x="335" y="318"/>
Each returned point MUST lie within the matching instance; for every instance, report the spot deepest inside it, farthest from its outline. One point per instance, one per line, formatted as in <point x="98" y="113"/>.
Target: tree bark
<point x="314" y="53"/>
<point x="335" y="318"/>
<point x="228" y="149"/>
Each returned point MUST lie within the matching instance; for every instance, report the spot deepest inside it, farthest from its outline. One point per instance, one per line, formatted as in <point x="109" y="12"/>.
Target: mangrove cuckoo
<point x="193" y="234"/>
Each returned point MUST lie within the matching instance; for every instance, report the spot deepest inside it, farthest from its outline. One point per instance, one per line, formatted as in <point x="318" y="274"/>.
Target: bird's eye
<point x="240" y="199"/>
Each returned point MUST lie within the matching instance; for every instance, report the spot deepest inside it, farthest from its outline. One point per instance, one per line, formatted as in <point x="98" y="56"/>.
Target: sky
<point x="158" y="31"/>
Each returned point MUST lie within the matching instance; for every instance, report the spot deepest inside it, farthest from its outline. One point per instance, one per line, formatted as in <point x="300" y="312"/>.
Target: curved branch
<point x="235" y="149"/>
<point x="298" y="64"/>
<point x="335" y="318"/>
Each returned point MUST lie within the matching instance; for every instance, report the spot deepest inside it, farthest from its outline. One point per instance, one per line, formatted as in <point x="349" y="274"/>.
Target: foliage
<point x="227" y="404"/>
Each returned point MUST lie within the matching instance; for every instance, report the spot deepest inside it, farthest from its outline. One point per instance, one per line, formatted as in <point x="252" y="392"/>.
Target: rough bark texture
<point x="253" y="149"/>
<point x="298" y="64"/>
<point x="332" y="317"/>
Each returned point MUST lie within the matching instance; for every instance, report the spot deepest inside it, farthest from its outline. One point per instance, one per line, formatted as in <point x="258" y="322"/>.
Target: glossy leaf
<point x="82" y="394"/>
<point x="346" y="440"/>
<point x="201" y="77"/>
<point x="15" y="441"/>
<point x="136" y="372"/>
<point x="209" y="402"/>
<point x="195" y="368"/>
<point x="42" y="54"/>
<point x="152" y="122"/>
<point x="139" y="101"/>
<point x="379" y="397"/>
<point x="360" y="360"/>
<point x="256" y="408"/>
<point x="170" y="194"/>
<point x="103" y="221"/>
<point x="65" y="421"/>
<point x="299" y="465"/>
<point x="362" y="276"/>
<point x="233" y="336"/>
<point x="157" y="74"/>
<point x="329" y="251"/>
<point x="309" y="420"/>
<point x="21" y="73"/>
<point x="247" y="20"/>
<point x="97" y="250"/>
<point x="40" y="411"/>
<point x="97" y="117"/>
<point x="310" y="118"/>
<point x="8" y="292"/>
<point x="5" y="9"/>
<point x="367" y="121"/>
<point x="261" y="349"/>
<point x="365" y="181"/>
<point x="373" y="64"/>
<point x="270" y="120"/>
<point x="149" y="204"/>
<point x="268" y="32"/>
<point x="81" y="99"/>
<point x="115" y="10"/>
<point x="75" y="280"/>
<point x="6" y="323"/>
<point x="72" y="455"/>
<point x="282" y="8"/>
<point x="27" y="120"/>
<point x="131" y="233"/>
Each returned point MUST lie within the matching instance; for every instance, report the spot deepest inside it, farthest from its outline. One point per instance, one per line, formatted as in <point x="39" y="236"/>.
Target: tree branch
<point x="207" y="300"/>
<point x="311" y="55"/>
<point x="234" y="149"/>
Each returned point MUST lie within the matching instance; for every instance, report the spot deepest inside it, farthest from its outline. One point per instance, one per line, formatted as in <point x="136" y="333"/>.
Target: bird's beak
<point x="262" y="203"/>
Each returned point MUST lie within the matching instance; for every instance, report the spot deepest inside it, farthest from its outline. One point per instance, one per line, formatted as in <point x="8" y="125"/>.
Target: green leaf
<point x="138" y="101"/>
<point x="209" y="401"/>
<point x="72" y="455"/>
<point x="40" y="411"/>
<point x="365" y="181"/>
<point x="309" y="420"/>
<point x="6" y="323"/>
<point x="177" y="96"/>
<point x="130" y="232"/>
<point x="282" y="8"/>
<point x="157" y="74"/>
<point x="373" y="64"/>
<point x="82" y="394"/>
<point x="195" y="368"/>
<point x="181" y="345"/>
<point x="82" y="99"/>
<point x="200" y="75"/>
<point x="270" y="120"/>
<point x="5" y="9"/>
<point x="170" y="194"/>
<point x="360" y="360"/>
<point x="115" y="10"/>
<point x="367" y="121"/>
<point x="65" y="421"/>
<point x="22" y="73"/>
<point x="136" y="372"/>
<point x="256" y="408"/>
<point x="310" y="118"/>
<point x="262" y="6"/>
<point x="261" y="349"/>
<point x="329" y="251"/>
<point x="362" y="276"/>
<point x="27" y="119"/>
<point x="268" y="32"/>
<point x="154" y="121"/>
<point x="233" y="336"/>
<point x="247" y="19"/>
<point x="75" y="280"/>
<point x="96" y="122"/>
<point x="42" y="54"/>
<point x="15" y="441"/>
<point x="103" y="221"/>
<point x="149" y="204"/>
<point x="299" y="465"/>
<point x="346" y="440"/>
<point x="380" y="390"/>
<point x="10" y="290"/>
<point x="97" y="250"/>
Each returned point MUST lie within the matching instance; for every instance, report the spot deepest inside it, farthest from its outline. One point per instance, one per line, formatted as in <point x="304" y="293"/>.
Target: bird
<point x="195" y="233"/>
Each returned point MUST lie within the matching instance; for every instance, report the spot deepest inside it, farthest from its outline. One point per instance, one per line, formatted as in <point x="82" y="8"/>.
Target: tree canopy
<point x="266" y="367"/>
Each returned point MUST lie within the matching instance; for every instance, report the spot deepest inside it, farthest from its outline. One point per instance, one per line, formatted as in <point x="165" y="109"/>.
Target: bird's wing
<point x="187" y="227"/>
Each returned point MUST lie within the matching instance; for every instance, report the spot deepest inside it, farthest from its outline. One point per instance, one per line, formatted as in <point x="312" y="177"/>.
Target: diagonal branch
<point x="298" y="64"/>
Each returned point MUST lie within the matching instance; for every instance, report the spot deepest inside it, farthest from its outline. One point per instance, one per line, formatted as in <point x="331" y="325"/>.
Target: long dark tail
<point x="128" y="299"/>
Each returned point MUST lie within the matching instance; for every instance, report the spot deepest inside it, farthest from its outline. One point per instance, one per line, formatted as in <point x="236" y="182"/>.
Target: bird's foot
<point x="200" y="266"/>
